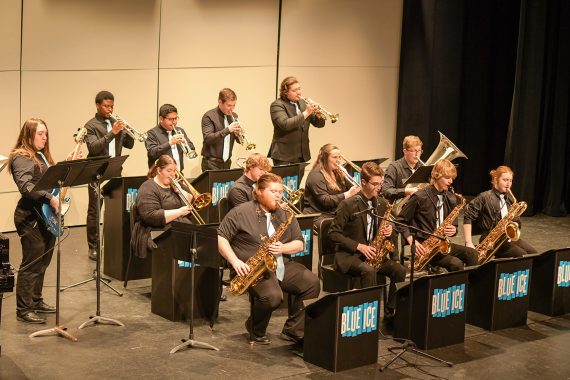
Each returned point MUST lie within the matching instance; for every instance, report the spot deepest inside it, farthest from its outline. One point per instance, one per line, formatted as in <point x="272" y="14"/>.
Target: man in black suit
<point x="291" y="118"/>
<point x="167" y="138"/>
<point x="219" y="129"/>
<point x="354" y="230"/>
<point x="105" y="136"/>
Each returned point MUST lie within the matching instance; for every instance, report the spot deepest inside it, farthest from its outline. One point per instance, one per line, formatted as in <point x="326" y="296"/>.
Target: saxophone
<point x="505" y="230"/>
<point x="263" y="260"/>
<point x="433" y="245"/>
<point x="382" y="243"/>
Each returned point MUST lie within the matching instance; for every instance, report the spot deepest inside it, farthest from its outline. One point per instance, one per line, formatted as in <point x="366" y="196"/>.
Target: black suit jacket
<point x="291" y="132"/>
<point x="157" y="144"/>
<point x="98" y="139"/>
<point x="318" y="197"/>
<point x="214" y="132"/>
<point x="348" y="230"/>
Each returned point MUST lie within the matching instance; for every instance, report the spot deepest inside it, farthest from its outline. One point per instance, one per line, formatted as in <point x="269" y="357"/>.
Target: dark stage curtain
<point x="494" y="77"/>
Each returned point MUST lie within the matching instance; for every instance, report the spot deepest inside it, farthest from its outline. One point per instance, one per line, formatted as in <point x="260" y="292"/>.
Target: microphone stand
<point x="408" y="344"/>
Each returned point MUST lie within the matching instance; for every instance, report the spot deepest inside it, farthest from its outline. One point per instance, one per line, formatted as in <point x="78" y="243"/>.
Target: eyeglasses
<point x="415" y="150"/>
<point x="172" y="118"/>
<point x="375" y="184"/>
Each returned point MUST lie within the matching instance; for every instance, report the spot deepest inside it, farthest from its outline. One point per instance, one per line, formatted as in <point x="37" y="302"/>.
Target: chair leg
<point x="128" y="271"/>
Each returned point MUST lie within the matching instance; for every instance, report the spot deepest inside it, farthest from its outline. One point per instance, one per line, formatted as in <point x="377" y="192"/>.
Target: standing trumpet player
<point x="105" y="136"/>
<point x="488" y="208"/>
<point x="292" y="117"/>
<point x="167" y="138"/>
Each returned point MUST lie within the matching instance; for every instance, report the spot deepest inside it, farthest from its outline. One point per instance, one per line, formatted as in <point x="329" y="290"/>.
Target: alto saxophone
<point x="505" y="230"/>
<point x="382" y="243"/>
<point x="433" y="245"/>
<point x="263" y="260"/>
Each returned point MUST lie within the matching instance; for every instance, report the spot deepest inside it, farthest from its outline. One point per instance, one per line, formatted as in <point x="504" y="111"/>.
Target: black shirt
<point x="158" y="143"/>
<point x="396" y="174"/>
<point x="152" y="200"/>
<point x="319" y="197"/>
<point x="485" y="210"/>
<point x="98" y="139"/>
<point x="245" y="224"/>
<point x="241" y="191"/>
<point x="26" y="175"/>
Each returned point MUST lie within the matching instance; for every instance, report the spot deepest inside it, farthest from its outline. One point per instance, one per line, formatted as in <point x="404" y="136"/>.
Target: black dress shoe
<point x="43" y="307"/>
<point x="30" y="317"/>
<point x="263" y="339"/>
<point x="291" y="338"/>
<point x="92" y="254"/>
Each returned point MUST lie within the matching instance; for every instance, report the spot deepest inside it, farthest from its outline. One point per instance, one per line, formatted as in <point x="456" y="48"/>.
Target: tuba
<point x="506" y="229"/>
<point x="433" y="245"/>
<point x="199" y="201"/>
<point x="263" y="260"/>
<point x="446" y="149"/>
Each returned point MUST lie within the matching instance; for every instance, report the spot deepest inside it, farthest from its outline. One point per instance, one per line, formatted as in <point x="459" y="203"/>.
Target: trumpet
<point x="321" y="113"/>
<point x="294" y="196"/>
<point x="188" y="151"/>
<point x="199" y="201"/>
<point x="243" y="140"/>
<point x="130" y="130"/>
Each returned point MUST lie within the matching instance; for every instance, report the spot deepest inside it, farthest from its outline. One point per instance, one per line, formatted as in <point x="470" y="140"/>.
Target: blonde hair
<point x="257" y="160"/>
<point x="410" y="141"/>
<point x="443" y="168"/>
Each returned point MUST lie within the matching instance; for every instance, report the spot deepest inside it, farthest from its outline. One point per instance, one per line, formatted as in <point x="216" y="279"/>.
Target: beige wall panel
<point x="200" y="33"/>
<point x="195" y="91"/>
<point x="135" y="101"/>
<point x="10" y="16"/>
<point x="90" y="35"/>
<point x="341" y="33"/>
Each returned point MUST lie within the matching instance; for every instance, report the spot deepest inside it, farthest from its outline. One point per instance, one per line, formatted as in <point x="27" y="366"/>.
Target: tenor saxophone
<point x="433" y="245"/>
<point x="263" y="260"/>
<point x="382" y="243"/>
<point x="505" y="230"/>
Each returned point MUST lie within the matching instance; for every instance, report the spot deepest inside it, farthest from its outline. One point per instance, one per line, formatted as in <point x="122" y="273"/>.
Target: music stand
<point x="197" y="239"/>
<point x="97" y="170"/>
<point x="63" y="174"/>
<point x="421" y="175"/>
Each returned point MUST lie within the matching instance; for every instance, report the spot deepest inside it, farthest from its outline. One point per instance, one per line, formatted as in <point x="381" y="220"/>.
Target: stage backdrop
<point x="56" y="55"/>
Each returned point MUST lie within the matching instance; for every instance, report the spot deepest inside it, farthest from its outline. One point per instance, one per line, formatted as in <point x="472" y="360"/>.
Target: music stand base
<point x="191" y="343"/>
<point x="57" y="330"/>
<point x="97" y="319"/>
<point x="410" y="346"/>
<point x="103" y="280"/>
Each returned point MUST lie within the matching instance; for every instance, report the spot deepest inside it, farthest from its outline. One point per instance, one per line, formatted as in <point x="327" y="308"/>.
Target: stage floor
<point x="140" y="350"/>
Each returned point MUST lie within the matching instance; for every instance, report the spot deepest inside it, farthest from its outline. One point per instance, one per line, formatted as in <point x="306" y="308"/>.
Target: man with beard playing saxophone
<point x="244" y="226"/>
<point x="354" y="230"/>
<point x="427" y="209"/>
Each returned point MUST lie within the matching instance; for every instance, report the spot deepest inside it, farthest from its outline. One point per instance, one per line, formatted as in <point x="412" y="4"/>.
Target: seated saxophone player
<point x="488" y="208"/>
<point x="427" y="209"/>
<point x="326" y="185"/>
<point x="168" y="138"/>
<point x="359" y="234"/>
<point x="240" y="237"/>
<point x="241" y="190"/>
<point x="158" y="203"/>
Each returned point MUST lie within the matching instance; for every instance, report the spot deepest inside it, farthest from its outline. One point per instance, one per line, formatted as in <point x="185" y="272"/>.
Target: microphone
<point x="368" y="208"/>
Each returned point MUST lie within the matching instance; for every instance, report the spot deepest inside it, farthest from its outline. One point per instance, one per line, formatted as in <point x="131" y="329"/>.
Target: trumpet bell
<point x="334" y="118"/>
<point x="250" y="146"/>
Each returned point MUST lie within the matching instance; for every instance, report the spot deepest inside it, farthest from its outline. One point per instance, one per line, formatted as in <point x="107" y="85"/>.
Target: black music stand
<point x="408" y="344"/>
<point x="194" y="238"/>
<point x="63" y="174"/>
<point x="97" y="170"/>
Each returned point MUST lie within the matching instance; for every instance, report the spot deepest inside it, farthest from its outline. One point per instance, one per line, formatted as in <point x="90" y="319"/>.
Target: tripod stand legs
<point x="58" y="330"/>
<point x="104" y="281"/>
<point x="97" y="319"/>
<point x="410" y="346"/>
<point x="191" y="343"/>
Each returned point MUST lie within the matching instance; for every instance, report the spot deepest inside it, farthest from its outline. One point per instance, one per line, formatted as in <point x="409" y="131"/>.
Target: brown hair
<point x="443" y="168"/>
<point x="162" y="162"/>
<point x="497" y="173"/>
<point x="322" y="165"/>
<point x="25" y="144"/>
<point x="226" y="94"/>
<point x="371" y="169"/>
<point x="285" y="86"/>
<point x="410" y="141"/>
<point x="264" y="181"/>
<point x="257" y="160"/>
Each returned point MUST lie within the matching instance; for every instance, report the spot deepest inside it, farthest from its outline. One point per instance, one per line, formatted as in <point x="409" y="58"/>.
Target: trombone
<point x="188" y="152"/>
<point x="294" y="196"/>
<point x="243" y="140"/>
<point x="199" y="200"/>
<point x="321" y="113"/>
<point x="347" y="175"/>
<point x="130" y="130"/>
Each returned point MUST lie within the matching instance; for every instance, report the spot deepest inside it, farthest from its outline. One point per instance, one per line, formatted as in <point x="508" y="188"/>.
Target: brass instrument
<point x="129" y="129"/>
<point x="79" y="138"/>
<point x="320" y="112"/>
<point x="188" y="152"/>
<point x="243" y="140"/>
<point x="346" y="174"/>
<point x="506" y="229"/>
<point x="199" y="200"/>
<point x="433" y="245"/>
<point x="263" y="260"/>
<point x="294" y="198"/>
<point x="382" y="243"/>
<point x="446" y="149"/>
